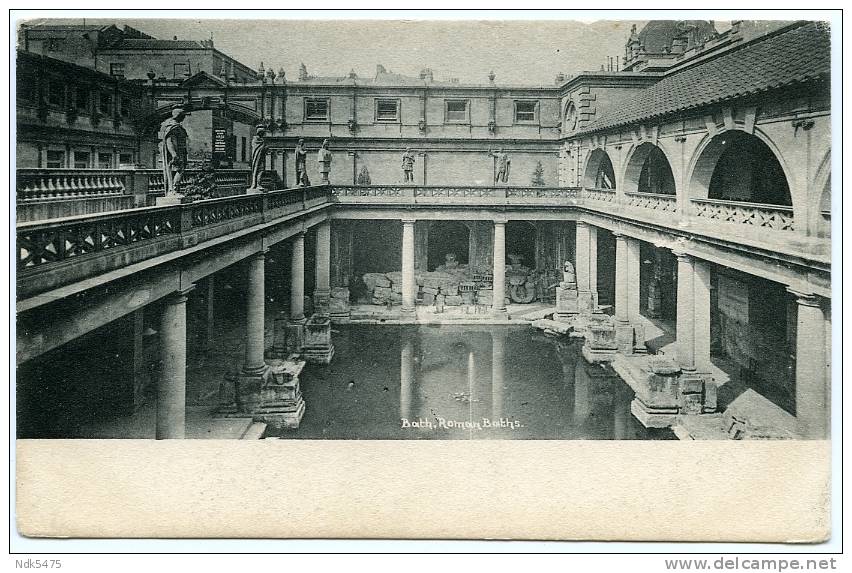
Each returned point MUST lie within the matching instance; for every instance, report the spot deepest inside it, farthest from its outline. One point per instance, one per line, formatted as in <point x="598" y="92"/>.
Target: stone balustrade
<point x="774" y="217"/>
<point x="56" y="252"/>
<point x="53" y="193"/>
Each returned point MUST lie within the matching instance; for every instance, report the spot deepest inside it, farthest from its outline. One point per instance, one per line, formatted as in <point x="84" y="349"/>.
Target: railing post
<point x="187" y="238"/>
<point x="136" y="184"/>
<point x="408" y="192"/>
<point x="500" y="193"/>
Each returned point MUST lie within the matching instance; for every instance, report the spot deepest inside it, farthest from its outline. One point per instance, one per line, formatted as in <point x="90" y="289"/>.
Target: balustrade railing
<point x="62" y="184"/>
<point x="775" y="217"/>
<point x="600" y="195"/>
<point x="47" y="245"/>
<point x="652" y="201"/>
<point x="47" y="184"/>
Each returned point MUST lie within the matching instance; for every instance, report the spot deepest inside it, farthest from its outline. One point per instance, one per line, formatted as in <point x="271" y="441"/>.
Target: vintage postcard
<point x="423" y="278"/>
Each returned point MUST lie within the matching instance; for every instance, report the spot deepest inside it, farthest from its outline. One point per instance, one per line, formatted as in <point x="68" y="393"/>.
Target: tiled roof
<point x="153" y="44"/>
<point x="792" y="56"/>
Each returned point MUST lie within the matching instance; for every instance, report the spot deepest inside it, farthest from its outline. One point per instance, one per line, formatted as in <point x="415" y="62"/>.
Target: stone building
<point x="73" y="117"/>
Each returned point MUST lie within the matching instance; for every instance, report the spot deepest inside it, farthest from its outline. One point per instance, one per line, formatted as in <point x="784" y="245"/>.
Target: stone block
<point x="428" y="298"/>
<point x="295" y="337"/>
<point x="430" y="290"/>
<point x="453" y="300"/>
<point x="624" y="337"/>
<point x="566" y="301"/>
<point x="340" y="293"/>
<point x="468" y="297"/>
<point x="373" y="280"/>
<point x="586" y="303"/>
<point x="338" y="305"/>
<point x="317" y="347"/>
<point x="450" y="289"/>
<point x="485" y="299"/>
<point x="382" y="293"/>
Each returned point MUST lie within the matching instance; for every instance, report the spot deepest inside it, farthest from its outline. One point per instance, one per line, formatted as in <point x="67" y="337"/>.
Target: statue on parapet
<point x="501" y="174"/>
<point x="408" y="166"/>
<point x="324" y="161"/>
<point x="301" y="163"/>
<point x="173" y="151"/>
<point x="259" y="148"/>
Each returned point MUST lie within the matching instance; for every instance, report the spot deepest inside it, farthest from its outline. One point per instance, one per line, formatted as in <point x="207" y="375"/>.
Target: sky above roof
<point x="519" y="52"/>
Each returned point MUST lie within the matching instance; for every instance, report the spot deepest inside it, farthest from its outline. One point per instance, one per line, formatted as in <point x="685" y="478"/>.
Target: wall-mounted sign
<point x="220" y="141"/>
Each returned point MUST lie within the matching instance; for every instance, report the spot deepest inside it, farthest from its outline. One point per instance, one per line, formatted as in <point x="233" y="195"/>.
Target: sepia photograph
<point x="597" y="239"/>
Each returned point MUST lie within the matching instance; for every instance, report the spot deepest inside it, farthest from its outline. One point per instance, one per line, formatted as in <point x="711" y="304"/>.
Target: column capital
<point x="300" y="234"/>
<point x="258" y="255"/>
<point x="805" y="298"/>
<point x="500" y="220"/>
<point x="682" y="255"/>
<point x="585" y="224"/>
<point x="180" y="295"/>
<point x="408" y="220"/>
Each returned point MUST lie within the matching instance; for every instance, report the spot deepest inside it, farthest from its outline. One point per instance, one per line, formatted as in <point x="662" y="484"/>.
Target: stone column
<point x="582" y="258"/>
<point x="406" y="379"/>
<point x="701" y="314"/>
<point x="634" y="264"/>
<point x="171" y="388"/>
<point x="210" y="324"/>
<point x="685" y="312"/>
<point x="621" y="278"/>
<point x="297" y="279"/>
<point x="498" y="371"/>
<point x="811" y="357"/>
<point x="498" y="303"/>
<point x="323" y="266"/>
<point x="255" y="312"/>
<point x="593" y="263"/>
<point x="408" y="282"/>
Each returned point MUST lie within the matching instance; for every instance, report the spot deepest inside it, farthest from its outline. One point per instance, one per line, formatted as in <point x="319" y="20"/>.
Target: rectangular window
<point x="316" y="109"/>
<point x="82" y="99"/>
<point x="525" y="111"/>
<point x="105" y="104"/>
<point x="243" y="149"/>
<point x="456" y="111"/>
<point x="387" y="110"/>
<point x="116" y="69"/>
<point x="125" y="158"/>
<point x="181" y="71"/>
<point x="125" y="106"/>
<point x="56" y="93"/>
<point x="55" y="159"/>
<point x="81" y="159"/>
<point x="104" y="160"/>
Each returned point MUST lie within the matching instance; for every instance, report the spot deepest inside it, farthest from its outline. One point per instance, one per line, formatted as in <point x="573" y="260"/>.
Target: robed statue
<point x="259" y="148"/>
<point x="173" y="150"/>
<point x="324" y="161"/>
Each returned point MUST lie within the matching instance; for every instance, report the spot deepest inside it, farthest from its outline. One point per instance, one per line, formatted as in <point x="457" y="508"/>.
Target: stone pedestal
<point x="255" y="190"/>
<point x="317" y="347"/>
<point x="624" y="337"/>
<point x="295" y="336"/>
<point x="338" y="305"/>
<point x="272" y="396"/>
<point x="665" y="392"/>
<point x="587" y="302"/>
<point x="279" y="337"/>
<point x="600" y="344"/>
<point x="566" y="301"/>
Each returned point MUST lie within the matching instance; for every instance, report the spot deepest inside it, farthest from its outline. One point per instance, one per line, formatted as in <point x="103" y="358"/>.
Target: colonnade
<point x="171" y="388"/>
<point x="692" y="327"/>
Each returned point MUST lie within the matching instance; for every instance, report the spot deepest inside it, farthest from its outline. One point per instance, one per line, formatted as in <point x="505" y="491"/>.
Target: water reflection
<point x="463" y="382"/>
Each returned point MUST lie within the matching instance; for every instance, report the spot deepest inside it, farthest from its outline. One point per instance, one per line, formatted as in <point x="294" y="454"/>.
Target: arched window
<point x="599" y="171"/>
<point x="648" y="171"/>
<point x="656" y="175"/>
<point x="737" y="166"/>
<point x="569" y="123"/>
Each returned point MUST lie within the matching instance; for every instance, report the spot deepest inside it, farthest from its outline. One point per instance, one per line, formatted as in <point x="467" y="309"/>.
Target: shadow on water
<point x="463" y="382"/>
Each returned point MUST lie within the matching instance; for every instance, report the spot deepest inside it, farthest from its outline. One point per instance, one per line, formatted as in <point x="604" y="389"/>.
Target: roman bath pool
<point x="461" y="383"/>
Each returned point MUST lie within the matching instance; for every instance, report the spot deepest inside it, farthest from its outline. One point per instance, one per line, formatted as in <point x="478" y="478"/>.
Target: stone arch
<point x="738" y="166"/>
<point x="648" y="170"/>
<point x="599" y="172"/>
